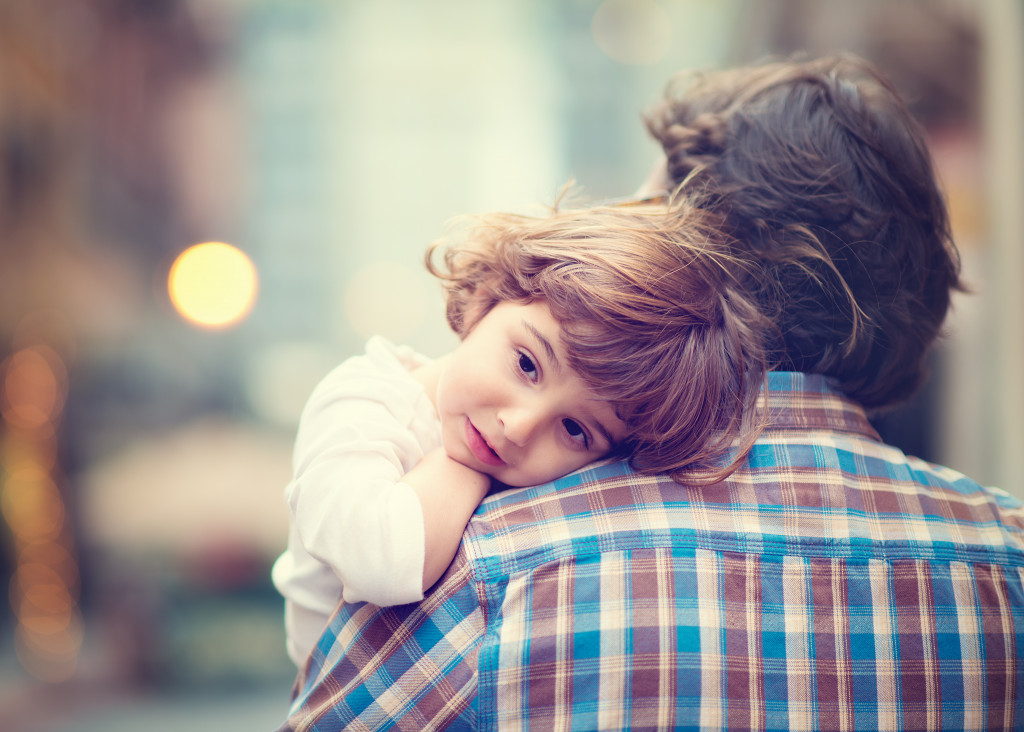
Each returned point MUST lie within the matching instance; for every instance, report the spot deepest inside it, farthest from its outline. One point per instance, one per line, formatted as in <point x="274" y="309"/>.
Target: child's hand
<point x="437" y="466"/>
<point x="449" y="493"/>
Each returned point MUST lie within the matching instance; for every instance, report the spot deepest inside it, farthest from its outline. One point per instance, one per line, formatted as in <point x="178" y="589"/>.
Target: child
<point x="585" y="334"/>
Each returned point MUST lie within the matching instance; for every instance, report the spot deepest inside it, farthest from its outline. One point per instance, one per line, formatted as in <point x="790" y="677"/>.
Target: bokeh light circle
<point x="212" y="284"/>
<point x="634" y="32"/>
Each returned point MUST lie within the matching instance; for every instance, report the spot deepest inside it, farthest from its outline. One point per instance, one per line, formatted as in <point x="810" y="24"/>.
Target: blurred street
<point x="93" y="702"/>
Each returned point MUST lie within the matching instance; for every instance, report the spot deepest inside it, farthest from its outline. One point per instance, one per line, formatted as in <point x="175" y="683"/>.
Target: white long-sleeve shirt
<point x="356" y="529"/>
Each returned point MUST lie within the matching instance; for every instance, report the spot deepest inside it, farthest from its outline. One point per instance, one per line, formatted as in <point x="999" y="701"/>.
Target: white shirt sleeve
<point x="350" y="509"/>
<point x="356" y="529"/>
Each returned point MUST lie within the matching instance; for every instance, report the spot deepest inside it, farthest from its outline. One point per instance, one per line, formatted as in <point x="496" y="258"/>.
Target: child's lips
<point x="479" y="447"/>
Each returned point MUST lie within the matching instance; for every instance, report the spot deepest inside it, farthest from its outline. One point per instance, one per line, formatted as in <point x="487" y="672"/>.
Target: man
<point x="831" y="582"/>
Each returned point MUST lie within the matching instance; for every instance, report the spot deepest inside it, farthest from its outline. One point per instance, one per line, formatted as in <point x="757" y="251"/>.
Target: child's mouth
<point x="479" y="447"/>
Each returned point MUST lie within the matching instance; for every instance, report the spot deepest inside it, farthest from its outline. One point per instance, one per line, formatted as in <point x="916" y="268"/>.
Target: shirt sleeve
<point x="350" y="509"/>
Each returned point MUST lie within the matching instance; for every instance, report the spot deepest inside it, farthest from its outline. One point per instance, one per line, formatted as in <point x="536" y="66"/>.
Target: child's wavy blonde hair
<point x="652" y="313"/>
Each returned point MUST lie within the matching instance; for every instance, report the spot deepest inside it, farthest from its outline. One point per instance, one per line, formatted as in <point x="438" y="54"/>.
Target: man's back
<point x="830" y="583"/>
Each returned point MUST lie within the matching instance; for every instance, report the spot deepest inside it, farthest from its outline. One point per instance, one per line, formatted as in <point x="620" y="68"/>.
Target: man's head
<point x="825" y="181"/>
<point x="650" y="309"/>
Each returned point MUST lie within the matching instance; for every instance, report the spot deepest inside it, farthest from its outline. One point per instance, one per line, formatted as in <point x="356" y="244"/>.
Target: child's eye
<point x="527" y="366"/>
<point x="576" y="432"/>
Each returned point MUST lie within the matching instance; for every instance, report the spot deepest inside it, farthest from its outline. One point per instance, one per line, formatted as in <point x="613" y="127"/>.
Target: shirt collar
<point x="798" y="401"/>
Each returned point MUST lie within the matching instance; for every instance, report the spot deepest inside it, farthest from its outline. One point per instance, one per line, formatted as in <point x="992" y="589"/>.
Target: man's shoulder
<point x="604" y="507"/>
<point x="818" y="483"/>
<point x="808" y="491"/>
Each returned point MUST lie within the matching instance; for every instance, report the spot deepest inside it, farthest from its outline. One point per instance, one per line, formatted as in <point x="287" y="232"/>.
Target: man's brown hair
<point x="825" y="181"/>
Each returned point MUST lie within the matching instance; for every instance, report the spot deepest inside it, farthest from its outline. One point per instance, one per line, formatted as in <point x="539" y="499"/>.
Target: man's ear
<point x="658" y="180"/>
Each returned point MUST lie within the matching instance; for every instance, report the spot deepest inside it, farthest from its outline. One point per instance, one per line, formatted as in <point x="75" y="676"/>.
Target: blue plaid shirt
<point x="831" y="583"/>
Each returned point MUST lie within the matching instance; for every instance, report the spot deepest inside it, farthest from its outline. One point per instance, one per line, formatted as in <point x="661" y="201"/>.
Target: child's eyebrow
<point x="548" y="348"/>
<point x="556" y="365"/>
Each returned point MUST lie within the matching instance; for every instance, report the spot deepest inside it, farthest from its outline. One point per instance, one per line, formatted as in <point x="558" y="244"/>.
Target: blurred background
<point x="150" y="388"/>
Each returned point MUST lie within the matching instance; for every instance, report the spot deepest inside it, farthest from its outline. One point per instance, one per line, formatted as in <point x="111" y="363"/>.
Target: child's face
<point x="511" y="407"/>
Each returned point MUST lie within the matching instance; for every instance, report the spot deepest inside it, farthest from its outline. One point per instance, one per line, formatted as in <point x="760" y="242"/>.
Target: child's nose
<point x="520" y="423"/>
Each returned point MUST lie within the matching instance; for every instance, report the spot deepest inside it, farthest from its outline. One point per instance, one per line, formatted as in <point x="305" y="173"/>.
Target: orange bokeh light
<point x="33" y="387"/>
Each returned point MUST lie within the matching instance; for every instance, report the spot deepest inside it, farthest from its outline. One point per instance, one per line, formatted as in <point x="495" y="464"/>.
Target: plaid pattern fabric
<point x="830" y="584"/>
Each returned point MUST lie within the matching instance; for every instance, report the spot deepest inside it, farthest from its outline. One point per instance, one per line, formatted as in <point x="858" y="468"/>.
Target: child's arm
<point x="355" y="524"/>
<point x="449" y="493"/>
